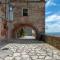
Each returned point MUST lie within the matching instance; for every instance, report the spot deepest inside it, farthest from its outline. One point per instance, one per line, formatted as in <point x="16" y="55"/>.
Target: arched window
<point x="9" y="12"/>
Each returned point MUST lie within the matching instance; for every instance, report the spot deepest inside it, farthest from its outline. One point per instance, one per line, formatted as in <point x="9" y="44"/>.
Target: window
<point x="9" y="13"/>
<point x="25" y="12"/>
<point x="5" y="26"/>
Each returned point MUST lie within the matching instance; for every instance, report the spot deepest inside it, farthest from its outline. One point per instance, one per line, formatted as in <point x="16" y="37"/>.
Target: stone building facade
<point x="16" y="14"/>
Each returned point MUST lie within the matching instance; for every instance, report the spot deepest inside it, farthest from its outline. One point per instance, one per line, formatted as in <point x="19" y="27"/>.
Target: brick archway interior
<point x="18" y="26"/>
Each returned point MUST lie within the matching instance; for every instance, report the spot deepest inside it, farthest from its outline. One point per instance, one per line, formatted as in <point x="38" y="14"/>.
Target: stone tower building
<point x="17" y="14"/>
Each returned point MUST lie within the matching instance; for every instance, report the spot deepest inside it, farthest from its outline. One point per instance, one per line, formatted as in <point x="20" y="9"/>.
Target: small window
<point x="25" y="12"/>
<point x="5" y="26"/>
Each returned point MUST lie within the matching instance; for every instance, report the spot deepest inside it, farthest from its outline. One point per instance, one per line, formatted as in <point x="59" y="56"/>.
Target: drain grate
<point x="5" y="49"/>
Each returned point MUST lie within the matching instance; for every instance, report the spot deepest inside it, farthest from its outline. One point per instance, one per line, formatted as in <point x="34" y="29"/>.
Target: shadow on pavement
<point x="19" y="41"/>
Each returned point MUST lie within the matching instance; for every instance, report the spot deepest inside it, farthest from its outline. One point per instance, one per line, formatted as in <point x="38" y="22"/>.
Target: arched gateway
<point x="20" y="26"/>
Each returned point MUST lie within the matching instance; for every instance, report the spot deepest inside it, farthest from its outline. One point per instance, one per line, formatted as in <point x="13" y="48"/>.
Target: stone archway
<point x="18" y="26"/>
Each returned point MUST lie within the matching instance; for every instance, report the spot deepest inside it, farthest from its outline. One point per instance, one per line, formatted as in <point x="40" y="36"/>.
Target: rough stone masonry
<point x="12" y="13"/>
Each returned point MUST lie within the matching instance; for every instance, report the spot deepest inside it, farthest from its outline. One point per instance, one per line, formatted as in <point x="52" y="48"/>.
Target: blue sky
<point x="52" y="16"/>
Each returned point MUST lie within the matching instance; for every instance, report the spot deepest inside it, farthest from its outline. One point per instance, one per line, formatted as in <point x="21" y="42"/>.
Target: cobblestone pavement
<point x="34" y="51"/>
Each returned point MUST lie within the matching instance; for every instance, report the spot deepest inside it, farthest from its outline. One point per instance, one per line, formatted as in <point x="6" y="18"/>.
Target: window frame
<point x="27" y="11"/>
<point x="10" y="11"/>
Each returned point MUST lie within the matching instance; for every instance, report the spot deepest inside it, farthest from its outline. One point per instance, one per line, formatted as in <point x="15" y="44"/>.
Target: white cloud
<point x="53" y="27"/>
<point x="53" y="18"/>
<point x="50" y="2"/>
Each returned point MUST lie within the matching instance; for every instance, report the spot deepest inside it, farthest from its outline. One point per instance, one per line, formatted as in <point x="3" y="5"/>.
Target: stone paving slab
<point x="40" y="51"/>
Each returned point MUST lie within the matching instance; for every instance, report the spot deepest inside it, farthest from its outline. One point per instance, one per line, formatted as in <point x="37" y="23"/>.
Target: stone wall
<point x="2" y="16"/>
<point x="54" y="41"/>
<point x="35" y="16"/>
<point x="1" y="26"/>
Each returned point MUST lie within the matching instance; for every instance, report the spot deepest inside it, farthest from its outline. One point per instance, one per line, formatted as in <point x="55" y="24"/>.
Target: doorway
<point x="25" y="33"/>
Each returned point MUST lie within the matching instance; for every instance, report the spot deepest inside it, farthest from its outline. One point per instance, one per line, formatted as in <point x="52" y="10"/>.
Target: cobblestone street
<point x="31" y="50"/>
